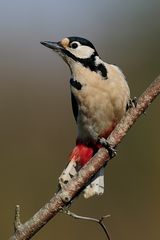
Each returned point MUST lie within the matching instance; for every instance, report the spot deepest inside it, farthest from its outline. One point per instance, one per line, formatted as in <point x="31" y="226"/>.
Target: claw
<point x="134" y="102"/>
<point x="131" y="103"/>
<point x="111" y="150"/>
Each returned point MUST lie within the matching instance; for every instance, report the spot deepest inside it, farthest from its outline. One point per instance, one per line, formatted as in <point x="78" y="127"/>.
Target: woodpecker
<point x="100" y="96"/>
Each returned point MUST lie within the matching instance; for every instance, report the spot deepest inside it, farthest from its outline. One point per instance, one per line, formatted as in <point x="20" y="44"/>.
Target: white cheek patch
<point x="82" y="51"/>
<point x="98" y="61"/>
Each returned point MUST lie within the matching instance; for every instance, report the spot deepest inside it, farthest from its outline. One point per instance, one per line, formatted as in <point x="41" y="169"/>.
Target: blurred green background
<point x="37" y="129"/>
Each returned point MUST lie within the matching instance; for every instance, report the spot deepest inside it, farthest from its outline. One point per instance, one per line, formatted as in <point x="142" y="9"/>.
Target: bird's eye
<point x="74" y="45"/>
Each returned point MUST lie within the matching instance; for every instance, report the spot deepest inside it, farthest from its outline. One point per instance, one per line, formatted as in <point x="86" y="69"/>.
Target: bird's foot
<point x="132" y="103"/>
<point x="111" y="150"/>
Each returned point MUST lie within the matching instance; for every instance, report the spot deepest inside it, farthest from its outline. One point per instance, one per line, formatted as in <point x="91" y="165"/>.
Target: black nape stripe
<point x="75" y="84"/>
<point x="89" y="63"/>
<point x="102" y="70"/>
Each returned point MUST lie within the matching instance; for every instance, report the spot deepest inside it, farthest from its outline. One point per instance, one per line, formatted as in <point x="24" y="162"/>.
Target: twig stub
<point x="17" y="221"/>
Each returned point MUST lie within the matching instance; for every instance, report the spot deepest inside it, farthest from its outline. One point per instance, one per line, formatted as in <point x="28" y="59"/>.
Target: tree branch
<point x="63" y="198"/>
<point x="99" y="221"/>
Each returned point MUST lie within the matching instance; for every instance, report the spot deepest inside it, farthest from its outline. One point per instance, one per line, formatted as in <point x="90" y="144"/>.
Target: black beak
<point x="53" y="45"/>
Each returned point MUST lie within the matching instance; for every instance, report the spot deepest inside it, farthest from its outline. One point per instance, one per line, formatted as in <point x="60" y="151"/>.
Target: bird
<point x="100" y="97"/>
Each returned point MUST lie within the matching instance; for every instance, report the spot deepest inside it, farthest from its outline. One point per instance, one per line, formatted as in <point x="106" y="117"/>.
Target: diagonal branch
<point x="63" y="198"/>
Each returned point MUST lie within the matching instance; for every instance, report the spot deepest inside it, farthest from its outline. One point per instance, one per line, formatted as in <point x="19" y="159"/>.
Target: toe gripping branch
<point x="131" y="103"/>
<point x="111" y="150"/>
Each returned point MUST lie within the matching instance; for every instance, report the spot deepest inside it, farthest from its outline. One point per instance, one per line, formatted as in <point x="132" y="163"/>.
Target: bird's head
<point x="75" y="50"/>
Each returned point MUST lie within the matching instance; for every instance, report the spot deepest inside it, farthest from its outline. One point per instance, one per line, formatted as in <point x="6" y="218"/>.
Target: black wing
<point x="74" y="106"/>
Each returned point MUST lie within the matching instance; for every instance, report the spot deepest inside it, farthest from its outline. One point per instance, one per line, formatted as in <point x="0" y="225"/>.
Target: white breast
<point x="101" y="102"/>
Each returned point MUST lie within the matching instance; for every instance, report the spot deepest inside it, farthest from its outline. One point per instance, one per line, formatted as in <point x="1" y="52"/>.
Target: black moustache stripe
<point x="88" y="62"/>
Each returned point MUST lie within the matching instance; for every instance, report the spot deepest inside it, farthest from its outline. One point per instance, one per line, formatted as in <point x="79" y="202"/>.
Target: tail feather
<point x="68" y="173"/>
<point x="96" y="186"/>
<point x="79" y="156"/>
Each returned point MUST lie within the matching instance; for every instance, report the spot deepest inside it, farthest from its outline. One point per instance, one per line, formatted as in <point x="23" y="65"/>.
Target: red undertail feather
<point x="82" y="154"/>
